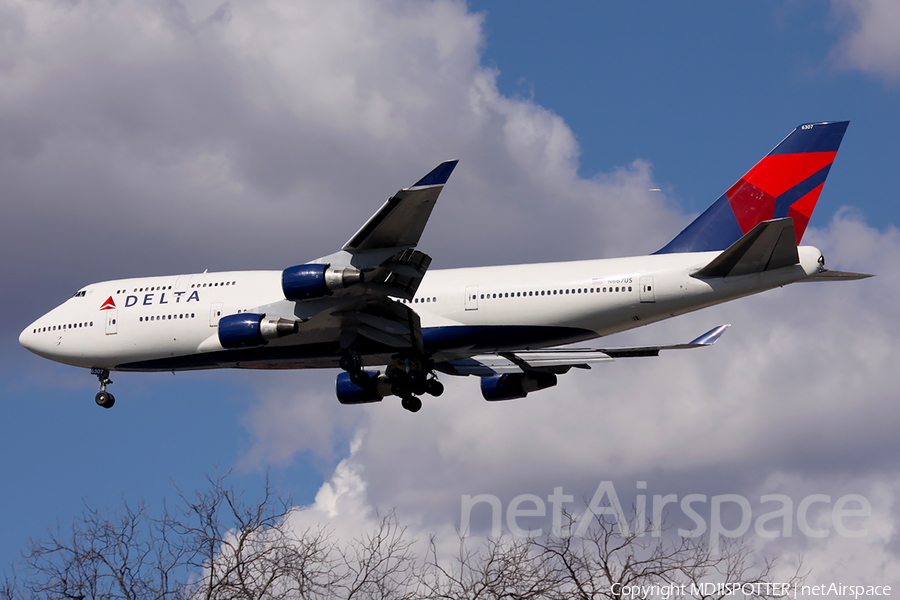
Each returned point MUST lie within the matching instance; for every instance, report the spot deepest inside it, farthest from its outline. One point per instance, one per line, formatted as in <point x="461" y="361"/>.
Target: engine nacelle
<point x="246" y="330"/>
<point x="313" y="281"/>
<point x="349" y="393"/>
<point x="515" y="385"/>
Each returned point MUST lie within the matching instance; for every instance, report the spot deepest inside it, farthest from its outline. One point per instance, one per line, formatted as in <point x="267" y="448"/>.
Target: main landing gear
<point x="408" y="376"/>
<point x="411" y="382"/>
<point x="103" y="398"/>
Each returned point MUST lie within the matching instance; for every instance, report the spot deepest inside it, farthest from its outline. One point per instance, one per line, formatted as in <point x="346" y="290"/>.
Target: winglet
<point x="710" y="337"/>
<point x="438" y="176"/>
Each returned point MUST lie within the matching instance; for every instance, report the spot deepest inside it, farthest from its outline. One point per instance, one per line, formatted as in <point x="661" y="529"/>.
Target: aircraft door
<point x="471" y="297"/>
<point x="181" y="284"/>
<point x="112" y="318"/>
<point x="215" y="313"/>
<point x="647" y="293"/>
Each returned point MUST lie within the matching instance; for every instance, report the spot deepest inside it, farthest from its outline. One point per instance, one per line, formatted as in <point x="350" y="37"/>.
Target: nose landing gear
<point x="103" y="398"/>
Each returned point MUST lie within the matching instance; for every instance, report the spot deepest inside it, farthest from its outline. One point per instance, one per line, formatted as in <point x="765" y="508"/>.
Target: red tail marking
<point x="750" y="204"/>
<point x="802" y="210"/>
<point x="777" y="173"/>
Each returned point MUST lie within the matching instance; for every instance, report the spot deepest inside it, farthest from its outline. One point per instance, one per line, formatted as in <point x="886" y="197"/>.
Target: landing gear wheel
<point x="411" y="403"/>
<point x="349" y="362"/>
<point x="360" y="378"/>
<point x="105" y="399"/>
<point x="434" y="387"/>
<point x="417" y="383"/>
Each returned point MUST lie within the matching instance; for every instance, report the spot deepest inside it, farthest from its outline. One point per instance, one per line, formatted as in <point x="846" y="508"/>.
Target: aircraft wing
<point x="383" y="259"/>
<point x="560" y="360"/>
<point x="384" y="247"/>
<point x="400" y="221"/>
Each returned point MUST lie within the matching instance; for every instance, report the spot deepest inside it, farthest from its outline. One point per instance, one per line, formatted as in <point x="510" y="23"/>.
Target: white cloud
<point x="871" y="43"/>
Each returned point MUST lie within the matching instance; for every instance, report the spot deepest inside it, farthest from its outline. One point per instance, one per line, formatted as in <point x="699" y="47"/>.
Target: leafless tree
<point x="603" y="563"/>
<point x="214" y="545"/>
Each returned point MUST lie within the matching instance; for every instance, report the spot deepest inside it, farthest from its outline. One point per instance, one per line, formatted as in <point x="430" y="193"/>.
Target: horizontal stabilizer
<point x="770" y="245"/>
<point x="827" y="275"/>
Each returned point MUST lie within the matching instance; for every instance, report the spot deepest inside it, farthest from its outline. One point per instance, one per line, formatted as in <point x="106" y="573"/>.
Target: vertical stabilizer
<point x="785" y="183"/>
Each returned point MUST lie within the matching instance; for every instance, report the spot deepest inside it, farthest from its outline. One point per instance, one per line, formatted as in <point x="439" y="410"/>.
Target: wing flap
<point x="554" y="361"/>
<point x="384" y="321"/>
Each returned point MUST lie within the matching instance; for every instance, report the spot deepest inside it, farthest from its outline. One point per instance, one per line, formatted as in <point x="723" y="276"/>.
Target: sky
<point x="152" y="138"/>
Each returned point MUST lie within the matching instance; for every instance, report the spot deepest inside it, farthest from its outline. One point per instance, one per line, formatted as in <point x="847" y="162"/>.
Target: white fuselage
<point x="170" y="322"/>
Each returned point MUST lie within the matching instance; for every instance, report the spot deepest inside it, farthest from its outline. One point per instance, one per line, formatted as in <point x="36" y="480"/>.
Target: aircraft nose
<point x="25" y="338"/>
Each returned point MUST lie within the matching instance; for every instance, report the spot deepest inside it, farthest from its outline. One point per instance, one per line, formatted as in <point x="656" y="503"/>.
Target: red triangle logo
<point x="109" y="304"/>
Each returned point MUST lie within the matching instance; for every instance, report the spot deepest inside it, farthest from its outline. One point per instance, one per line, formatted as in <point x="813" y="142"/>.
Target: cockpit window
<point x="80" y="294"/>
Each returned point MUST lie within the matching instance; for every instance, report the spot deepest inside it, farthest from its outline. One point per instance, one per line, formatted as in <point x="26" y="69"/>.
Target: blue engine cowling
<point x="246" y="330"/>
<point x="303" y="282"/>
<point x="515" y="385"/>
<point x="349" y="393"/>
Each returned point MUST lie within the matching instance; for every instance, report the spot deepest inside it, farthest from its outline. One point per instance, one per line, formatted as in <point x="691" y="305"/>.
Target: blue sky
<point x="127" y="154"/>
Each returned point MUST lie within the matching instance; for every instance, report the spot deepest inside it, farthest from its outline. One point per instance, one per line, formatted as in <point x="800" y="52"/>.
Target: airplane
<point x="376" y="311"/>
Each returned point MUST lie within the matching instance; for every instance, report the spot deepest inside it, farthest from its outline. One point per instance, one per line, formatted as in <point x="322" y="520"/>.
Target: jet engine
<point x="246" y="330"/>
<point x="313" y="281"/>
<point x="515" y="385"/>
<point x="350" y="393"/>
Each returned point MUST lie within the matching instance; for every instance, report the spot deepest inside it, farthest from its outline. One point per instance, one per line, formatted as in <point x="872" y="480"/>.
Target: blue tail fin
<point x="785" y="183"/>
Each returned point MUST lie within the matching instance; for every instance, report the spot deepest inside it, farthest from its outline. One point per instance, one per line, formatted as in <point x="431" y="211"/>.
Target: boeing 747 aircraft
<point x="375" y="310"/>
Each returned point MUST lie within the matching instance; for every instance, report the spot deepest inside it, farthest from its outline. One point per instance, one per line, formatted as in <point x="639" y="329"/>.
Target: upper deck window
<point x="80" y="294"/>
